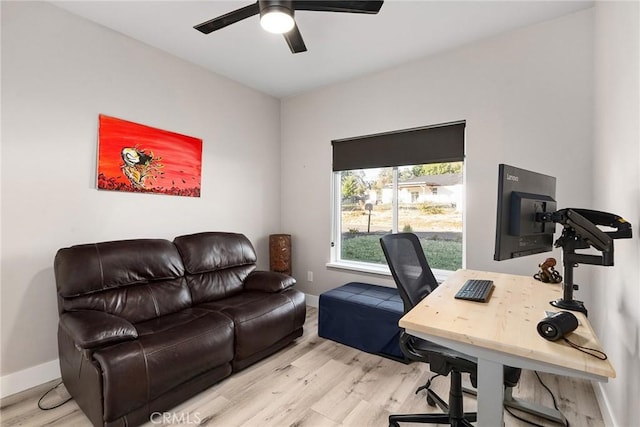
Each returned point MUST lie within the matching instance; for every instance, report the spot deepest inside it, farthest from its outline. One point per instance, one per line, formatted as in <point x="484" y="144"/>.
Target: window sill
<point x="379" y="269"/>
<point x="361" y="267"/>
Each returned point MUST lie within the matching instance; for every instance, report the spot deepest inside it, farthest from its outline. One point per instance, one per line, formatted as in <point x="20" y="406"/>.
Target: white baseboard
<point x="605" y="407"/>
<point x="27" y="378"/>
<point x="313" y="300"/>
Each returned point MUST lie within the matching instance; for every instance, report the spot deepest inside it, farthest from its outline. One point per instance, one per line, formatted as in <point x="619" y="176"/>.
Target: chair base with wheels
<point x="453" y="412"/>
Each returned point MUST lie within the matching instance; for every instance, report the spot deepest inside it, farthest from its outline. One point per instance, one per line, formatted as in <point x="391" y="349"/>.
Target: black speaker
<point x="557" y="325"/>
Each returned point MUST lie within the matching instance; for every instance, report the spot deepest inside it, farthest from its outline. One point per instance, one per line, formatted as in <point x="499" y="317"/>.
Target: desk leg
<point x="490" y="393"/>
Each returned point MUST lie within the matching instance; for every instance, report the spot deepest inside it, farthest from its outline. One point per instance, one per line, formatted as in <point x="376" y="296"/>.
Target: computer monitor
<point x="521" y="195"/>
<point x="526" y="220"/>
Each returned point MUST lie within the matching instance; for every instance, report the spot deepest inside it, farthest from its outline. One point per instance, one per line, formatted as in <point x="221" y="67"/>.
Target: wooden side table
<point x="280" y="253"/>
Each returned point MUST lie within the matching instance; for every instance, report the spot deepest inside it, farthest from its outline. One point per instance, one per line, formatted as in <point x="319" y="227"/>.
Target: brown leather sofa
<point x="145" y="324"/>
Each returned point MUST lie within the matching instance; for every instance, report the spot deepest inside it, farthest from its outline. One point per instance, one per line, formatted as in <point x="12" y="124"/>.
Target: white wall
<point x="616" y="317"/>
<point x="58" y="73"/>
<point x="526" y="97"/>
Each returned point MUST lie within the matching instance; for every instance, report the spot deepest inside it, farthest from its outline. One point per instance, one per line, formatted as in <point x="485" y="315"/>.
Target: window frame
<point x="368" y="267"/>
<point x="438" y="143"/>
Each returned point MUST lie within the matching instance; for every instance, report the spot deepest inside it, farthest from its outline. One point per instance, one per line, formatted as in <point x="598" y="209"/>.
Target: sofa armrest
<point x="90" y="329"/>
<point x="268" y="281"/>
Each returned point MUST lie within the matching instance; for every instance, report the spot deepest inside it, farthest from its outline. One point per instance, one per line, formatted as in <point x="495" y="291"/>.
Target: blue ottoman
<point x="362" y="316"/>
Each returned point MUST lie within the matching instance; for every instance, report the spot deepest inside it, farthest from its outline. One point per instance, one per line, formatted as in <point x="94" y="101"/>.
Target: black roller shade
<point x="434" y="144"/>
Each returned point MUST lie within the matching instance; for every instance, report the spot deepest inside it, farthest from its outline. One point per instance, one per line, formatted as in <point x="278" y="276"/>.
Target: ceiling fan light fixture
<point x="277" y="19"/>
<point x="277" y="16"/>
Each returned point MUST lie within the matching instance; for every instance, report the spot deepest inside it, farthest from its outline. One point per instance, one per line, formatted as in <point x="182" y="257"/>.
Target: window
<point x="425" y="198"/>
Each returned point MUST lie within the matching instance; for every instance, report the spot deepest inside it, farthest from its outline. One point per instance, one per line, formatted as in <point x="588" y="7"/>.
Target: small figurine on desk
<point x="547" y="273"/>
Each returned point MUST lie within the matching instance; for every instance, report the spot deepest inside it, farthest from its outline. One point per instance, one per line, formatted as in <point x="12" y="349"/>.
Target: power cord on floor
<point x="47" y="408"/>
<point x="555" y="405"/>
<point x="428" y="384"/>
<point x="553" y="398"/>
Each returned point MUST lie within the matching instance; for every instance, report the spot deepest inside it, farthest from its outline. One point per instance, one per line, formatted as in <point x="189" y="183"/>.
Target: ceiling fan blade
<point x="228" y="19"/>
<point x="294" y="40"/>
<point x="371" y="7"/>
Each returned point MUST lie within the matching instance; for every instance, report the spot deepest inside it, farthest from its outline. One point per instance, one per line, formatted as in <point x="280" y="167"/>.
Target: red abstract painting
<point x="138" y="158"/>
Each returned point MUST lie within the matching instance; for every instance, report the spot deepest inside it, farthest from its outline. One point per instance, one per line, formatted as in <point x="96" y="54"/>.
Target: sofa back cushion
<point x="216" y="263"/>
<point x="134" y="279"/>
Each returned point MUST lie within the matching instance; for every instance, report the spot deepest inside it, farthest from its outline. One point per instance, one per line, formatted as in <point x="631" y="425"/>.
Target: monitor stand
<point x="581" y="232"/>
<point x="571" y="305"/>
<point x="567" y="302"/>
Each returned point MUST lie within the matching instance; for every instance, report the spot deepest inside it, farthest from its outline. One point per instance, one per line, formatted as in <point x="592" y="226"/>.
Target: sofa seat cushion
<point x="260" y="319"/>
<point x="172" y="321"/>
<point x="169" y="351"/>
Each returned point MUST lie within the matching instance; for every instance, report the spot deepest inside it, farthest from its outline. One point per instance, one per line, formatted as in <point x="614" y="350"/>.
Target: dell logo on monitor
<point x="512" y="178"/>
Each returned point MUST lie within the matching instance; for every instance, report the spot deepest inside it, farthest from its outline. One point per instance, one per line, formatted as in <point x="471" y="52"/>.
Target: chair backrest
<point x="409" y="267"/>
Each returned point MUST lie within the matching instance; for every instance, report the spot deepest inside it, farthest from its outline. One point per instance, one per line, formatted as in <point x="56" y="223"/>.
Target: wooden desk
<point x="503" y="332"/>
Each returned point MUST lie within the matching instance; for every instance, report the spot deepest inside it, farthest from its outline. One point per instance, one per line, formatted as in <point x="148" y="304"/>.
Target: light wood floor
<point x="314" y="382"/>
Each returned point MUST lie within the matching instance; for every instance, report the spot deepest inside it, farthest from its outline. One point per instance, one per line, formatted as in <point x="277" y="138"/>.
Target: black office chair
<point x="415" y="280"/>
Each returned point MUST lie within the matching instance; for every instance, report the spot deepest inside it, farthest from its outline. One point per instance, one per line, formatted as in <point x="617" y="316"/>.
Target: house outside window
<point x="389" y="194"/>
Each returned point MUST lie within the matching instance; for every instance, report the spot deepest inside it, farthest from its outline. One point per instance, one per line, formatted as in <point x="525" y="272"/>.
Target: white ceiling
<point x="340" y="46"/>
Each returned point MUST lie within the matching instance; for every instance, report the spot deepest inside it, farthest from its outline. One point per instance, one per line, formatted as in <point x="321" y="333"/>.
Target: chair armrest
<point x="268" y="281"/>
<point x="90" y="329"/>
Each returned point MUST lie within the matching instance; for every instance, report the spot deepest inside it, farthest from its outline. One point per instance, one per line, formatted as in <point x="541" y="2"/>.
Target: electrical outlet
<point x="309" y="276"/>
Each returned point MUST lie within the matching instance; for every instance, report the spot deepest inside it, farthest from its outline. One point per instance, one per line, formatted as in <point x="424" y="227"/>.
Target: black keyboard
<point x="476" y="290"/>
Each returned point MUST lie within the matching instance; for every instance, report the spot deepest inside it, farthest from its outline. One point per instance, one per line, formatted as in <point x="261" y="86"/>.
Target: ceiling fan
<point x="276" y="16"/>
